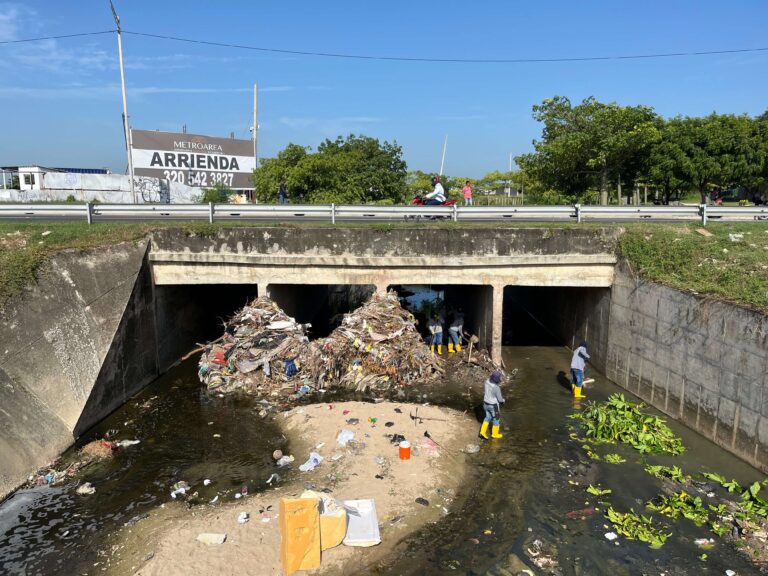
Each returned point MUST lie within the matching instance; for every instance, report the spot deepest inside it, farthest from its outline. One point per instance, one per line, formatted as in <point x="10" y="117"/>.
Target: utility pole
<point x="256" y="125"/>
<point x="442" y="162"/>
<point x="509" y="180"/>
<point x="126" y="125"/>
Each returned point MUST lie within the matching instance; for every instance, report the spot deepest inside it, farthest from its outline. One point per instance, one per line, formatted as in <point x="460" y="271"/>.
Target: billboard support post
<point x="126" y="125"/>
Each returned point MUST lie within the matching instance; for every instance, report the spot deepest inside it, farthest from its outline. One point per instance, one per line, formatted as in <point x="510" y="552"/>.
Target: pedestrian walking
<point x="578" y="362"/>
<point x="492" y="402"/>
<point x="282" y="192"/>
<point x="467" y="193"/>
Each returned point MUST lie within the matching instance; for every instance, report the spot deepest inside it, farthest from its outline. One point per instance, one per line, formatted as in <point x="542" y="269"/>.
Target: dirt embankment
<point x="367" y="467"/>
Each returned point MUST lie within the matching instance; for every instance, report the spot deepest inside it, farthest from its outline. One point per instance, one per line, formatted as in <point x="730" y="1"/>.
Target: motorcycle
<point x="420" y="200"/>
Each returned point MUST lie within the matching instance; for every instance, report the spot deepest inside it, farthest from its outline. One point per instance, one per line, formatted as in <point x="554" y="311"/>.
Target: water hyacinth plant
<point x="619" y="420"/>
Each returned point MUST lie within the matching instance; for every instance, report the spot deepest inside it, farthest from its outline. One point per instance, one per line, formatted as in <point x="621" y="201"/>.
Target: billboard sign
<point x="192" y="159"/>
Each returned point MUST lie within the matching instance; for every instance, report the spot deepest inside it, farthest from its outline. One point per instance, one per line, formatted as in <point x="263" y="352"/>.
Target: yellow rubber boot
<point x="432" y="347"/>
<point x="577" y="392"/>
<point x="450" y="348"/>
<point x="439" y="349"/>
<point x="495" y="433"/>
<point x="484" y="431"/>
<point x="458" y="347"/>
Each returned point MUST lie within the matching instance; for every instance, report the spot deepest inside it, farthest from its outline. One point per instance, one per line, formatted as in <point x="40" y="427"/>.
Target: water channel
<point x="520" y="488"/>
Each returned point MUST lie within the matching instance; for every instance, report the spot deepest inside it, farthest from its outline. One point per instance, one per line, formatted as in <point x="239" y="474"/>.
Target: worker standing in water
<point x="578" y="362"/>
<point x="436" y="334"/>
<point x="492" y="401"/>
<point x="455" y="331"/>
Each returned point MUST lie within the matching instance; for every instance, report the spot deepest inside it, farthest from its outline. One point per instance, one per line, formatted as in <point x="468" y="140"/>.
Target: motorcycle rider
<point x="437" y="196"/>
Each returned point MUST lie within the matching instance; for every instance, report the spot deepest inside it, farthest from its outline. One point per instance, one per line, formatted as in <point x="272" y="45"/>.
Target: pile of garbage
<point x="260" y="348"/>
<point x="265" y="351"/>
<point x="376" y="346"/>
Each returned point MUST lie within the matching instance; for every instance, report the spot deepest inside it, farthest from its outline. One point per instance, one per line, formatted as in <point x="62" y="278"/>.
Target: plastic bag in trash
<point x="314" y="460"/>
<point x="290" y="368"/>
<point x="345" y="436"/>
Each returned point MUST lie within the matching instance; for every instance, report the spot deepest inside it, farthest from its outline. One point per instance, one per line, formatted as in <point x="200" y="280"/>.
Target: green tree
<point x="589" y="145"/>
<point x="352" y="170"/>
<point x="218" y="194"/>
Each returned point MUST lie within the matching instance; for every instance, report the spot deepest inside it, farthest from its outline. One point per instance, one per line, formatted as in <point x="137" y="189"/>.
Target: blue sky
<point x="60" y="99"/>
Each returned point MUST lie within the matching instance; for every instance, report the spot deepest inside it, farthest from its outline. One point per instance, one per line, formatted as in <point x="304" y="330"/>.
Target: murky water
<point x="518" y="490"/>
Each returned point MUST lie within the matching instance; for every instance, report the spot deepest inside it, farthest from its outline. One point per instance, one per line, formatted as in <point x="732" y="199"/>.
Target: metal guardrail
<point x="335" y="213"/>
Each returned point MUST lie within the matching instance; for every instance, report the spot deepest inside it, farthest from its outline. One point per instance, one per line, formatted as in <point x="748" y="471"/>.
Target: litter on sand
<point x="243" y="517"/>
<point x="363" y="523"/>
<point x="211" y="538"/>
<point x="345" y="436"/>
<point x="314" y="460"/>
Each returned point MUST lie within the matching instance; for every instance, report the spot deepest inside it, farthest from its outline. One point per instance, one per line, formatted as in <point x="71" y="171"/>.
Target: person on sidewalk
<point x="455" y="330"/>
<point x="492" y="401"/>
<point x="467" y="193"/>
<point x="436" y="334"/>
<point x="578" y="362"/>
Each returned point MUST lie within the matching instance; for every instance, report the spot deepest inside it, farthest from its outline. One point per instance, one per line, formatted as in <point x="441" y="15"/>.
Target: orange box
<point x="299" y="534"/>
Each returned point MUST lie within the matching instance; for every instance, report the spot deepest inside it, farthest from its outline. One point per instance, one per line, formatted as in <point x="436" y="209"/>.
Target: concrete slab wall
<point x="54" y="343"/>
<point x="702" y="362"/>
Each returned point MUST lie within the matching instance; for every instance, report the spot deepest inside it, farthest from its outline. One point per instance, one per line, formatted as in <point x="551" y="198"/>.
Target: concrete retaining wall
<point x="702" y="362"/>
<point x="55" y="341"/>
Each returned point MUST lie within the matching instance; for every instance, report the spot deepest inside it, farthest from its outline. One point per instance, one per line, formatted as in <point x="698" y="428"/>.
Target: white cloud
<point x="10" y="20"/>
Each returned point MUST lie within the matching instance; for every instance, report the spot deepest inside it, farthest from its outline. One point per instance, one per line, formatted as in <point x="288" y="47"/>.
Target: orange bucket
<point x="405" y="450"/>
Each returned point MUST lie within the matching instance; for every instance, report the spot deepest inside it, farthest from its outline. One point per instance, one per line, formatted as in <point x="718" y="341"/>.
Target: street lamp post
<point x="126" y="125"/>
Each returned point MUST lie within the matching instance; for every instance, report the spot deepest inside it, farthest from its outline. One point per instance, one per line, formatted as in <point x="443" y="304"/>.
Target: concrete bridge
<point x="100" y="325"/>
<point x="474" y="264"/>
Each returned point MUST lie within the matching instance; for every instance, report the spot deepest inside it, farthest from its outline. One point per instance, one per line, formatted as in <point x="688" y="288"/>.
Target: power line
<point x="56" y="37"/>
<point x="407" y="58"/>
<point x="448" y="60"/>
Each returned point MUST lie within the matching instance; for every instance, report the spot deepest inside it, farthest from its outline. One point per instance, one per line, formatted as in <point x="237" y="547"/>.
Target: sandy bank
<point x="165" y="543"/>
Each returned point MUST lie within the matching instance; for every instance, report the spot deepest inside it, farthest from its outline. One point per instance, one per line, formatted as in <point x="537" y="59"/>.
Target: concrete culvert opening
<point x="474" y="303"/>
<point x="322" y="305"/>
<point x="556" y="316"/>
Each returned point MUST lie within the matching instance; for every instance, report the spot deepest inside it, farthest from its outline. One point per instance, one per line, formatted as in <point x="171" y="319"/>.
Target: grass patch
<point x="679" y="257"/>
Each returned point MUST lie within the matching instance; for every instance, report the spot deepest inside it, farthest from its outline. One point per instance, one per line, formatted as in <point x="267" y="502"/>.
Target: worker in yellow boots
<point x="578" y="362"/>
<point x="492" y="401"/>
<point x="436" y="334"/>
<point x="454" y="332"/>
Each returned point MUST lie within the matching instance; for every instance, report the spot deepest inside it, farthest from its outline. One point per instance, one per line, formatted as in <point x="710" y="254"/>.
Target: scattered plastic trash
<point x="206" y="482"/>
<point x="611" y="536"/>
<point x="179" y="489"/>
<point x="211" y="538"/>
<point x="86" y="488"/>
<point x="243" y="517"/>
<point x="45" y="233"/>
<point x="345" y="412"/>
<point x="736" y="237"/>
<point x="422" y="501"/>
<point x="238" y="496"/>
<point x="472" y="449"/>
<point x="215" y="499"/>
<point x="273" y="478"/>
<point x="344" y="437"/>
<point x="362" y="523"/>
<point x="285" y="460"/>
<point x="337" y="456"/>
<point x="704" y="542"/>
<point x="314" y="460"/>
<point x="353" y="421"/>
<point x="372" y="420"/>
<point x="127" y="443"/>
<point x="730" y="572"/>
